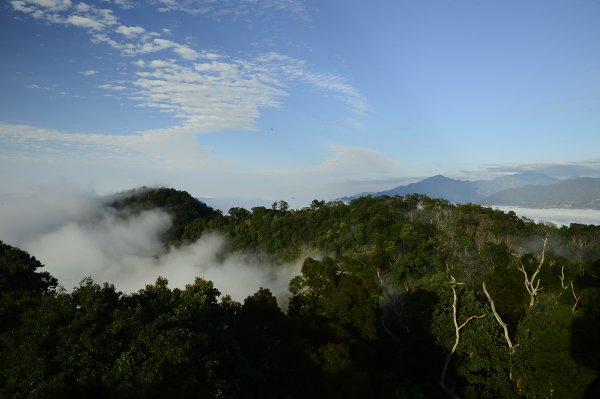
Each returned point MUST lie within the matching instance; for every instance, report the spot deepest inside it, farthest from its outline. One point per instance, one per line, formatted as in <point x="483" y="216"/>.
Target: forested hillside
<point x="409" y="297"/>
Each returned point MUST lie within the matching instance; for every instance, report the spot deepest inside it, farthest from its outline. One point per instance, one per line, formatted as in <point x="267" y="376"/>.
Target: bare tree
<point x="562" y="278"/>
<point x="443" y="383"/>
<point x="504" y="326"/>
<point x="576" y="298"/>
<point x="531" y="284"/>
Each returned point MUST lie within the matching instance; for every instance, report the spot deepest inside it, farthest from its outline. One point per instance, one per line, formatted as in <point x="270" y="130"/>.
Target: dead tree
<point x="499" y="319"/>
<point x="457" y="328"/>
<point x="576" y="298"/>
<point x="562" y="278"/>
<point x="531" y="284"/>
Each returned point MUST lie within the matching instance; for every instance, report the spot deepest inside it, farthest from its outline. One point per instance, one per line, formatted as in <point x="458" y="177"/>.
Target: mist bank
<point x="76" y="235"/>
<point x="557" y="216"/>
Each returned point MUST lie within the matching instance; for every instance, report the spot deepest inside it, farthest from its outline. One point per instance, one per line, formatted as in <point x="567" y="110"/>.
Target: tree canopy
<point x="402" y="297"/>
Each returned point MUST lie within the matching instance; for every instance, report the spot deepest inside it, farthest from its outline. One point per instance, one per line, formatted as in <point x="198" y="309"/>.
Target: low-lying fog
<point x="75" y="236"/>
<point x="557" y="216"/>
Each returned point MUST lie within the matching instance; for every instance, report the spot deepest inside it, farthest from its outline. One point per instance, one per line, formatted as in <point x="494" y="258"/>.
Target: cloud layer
<point x="557" y="216"/>
<point x="75" y="236"/>
<point x="561" y="169"/>
<point x="178" y="160"/>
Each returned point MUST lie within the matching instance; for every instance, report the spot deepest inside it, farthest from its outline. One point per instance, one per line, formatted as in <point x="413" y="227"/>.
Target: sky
<point x="294" y="100"/>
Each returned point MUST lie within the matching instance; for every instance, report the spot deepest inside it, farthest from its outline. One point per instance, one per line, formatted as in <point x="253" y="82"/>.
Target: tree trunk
<point x="499" y="319"/>
<point x="457" y="328"/>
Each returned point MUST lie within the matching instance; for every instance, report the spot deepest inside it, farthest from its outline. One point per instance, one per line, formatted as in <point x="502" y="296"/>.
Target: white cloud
<point x="26" y="216"/>
<point x="21" y="6"/>
<point x="207" y="91"/>
<point x="100" y="22"/>
<point x="146" y="47"/>
<point x="558" y="168"/>
<point x="89" y="72"/>
<point x="161" y="64"/>
<point x="102" y="38"/>
<point x="210" y="96"/>
<point x="346" y="170"/>
<point x="336" y="84"/>
<point x="222" y="93"/>
<point x="151" y="151"/>
<point x="84" y="22"/>
<point x="61" y="12"/>
<point x="233" y="9"/>
<point x="294" y="69"/>
<point x="37" y="87"/>
<point x="83" y="7"/>
<point x="51" y="5"/>
<point x="130" y="31"/>
<point x="187" y="53"/>
<point x="125" y="4"/>
<point x="557" y="216"/>
<point x="108" y="163"/>
<point x="75" y="236"/>
<point x="212" y="56"/>
<point x="112" y="87"/>
<point x="357" y="162"/>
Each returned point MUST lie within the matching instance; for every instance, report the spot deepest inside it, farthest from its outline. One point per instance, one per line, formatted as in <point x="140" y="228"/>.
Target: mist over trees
<point x="402" y="297"/>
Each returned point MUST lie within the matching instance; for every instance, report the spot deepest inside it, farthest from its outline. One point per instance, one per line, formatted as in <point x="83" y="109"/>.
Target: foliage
<point x="370" y="314"/>
<point x="189" y="215"/>
<point x="21" y="284"/>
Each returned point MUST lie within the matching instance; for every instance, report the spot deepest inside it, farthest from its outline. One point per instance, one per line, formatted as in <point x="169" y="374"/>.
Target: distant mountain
<point x="455" y="191"/>
<point x="355" y="196"/>
<point x="532" y="190"/>
<point x="583" y="192"/>
<point x="489" y="187"/>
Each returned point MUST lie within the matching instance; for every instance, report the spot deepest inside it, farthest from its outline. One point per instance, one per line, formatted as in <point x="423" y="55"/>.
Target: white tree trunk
<point x="531" y="285"/>
<point x="457" y="328"/>
<point x="499" y="319"/>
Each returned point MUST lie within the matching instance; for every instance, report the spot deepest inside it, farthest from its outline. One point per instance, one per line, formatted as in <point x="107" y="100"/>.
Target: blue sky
<point x="295" y="100"/>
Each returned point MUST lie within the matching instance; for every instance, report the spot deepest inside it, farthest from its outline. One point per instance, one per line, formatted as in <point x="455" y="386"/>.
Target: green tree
<point x="21" y="284"/>
<point x="543" y="365"/>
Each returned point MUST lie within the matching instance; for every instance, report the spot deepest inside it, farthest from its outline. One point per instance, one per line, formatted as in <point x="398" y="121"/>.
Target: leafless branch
<point x="531" y="285"/>
<point x="457" y="328"/>
<point x="499" y="319"/>
<point x="574" y="296"/>
<point x="562" y="278"/>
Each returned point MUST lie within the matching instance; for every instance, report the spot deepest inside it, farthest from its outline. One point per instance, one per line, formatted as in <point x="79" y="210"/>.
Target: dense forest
<point x="409" y="297"/>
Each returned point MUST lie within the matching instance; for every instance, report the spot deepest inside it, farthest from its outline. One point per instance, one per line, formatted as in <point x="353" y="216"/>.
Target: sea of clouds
<point x="75" y="235"/>
<point x="557" y="216"/>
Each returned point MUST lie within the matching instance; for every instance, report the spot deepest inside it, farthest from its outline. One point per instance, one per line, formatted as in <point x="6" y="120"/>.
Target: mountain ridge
<point x="582" y="192"/>
<point x="532" y="190"/>
<point x="455" y="191"/>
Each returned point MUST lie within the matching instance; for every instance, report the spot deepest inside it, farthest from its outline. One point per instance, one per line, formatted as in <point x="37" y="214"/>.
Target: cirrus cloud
<point x="205" y="90"/>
